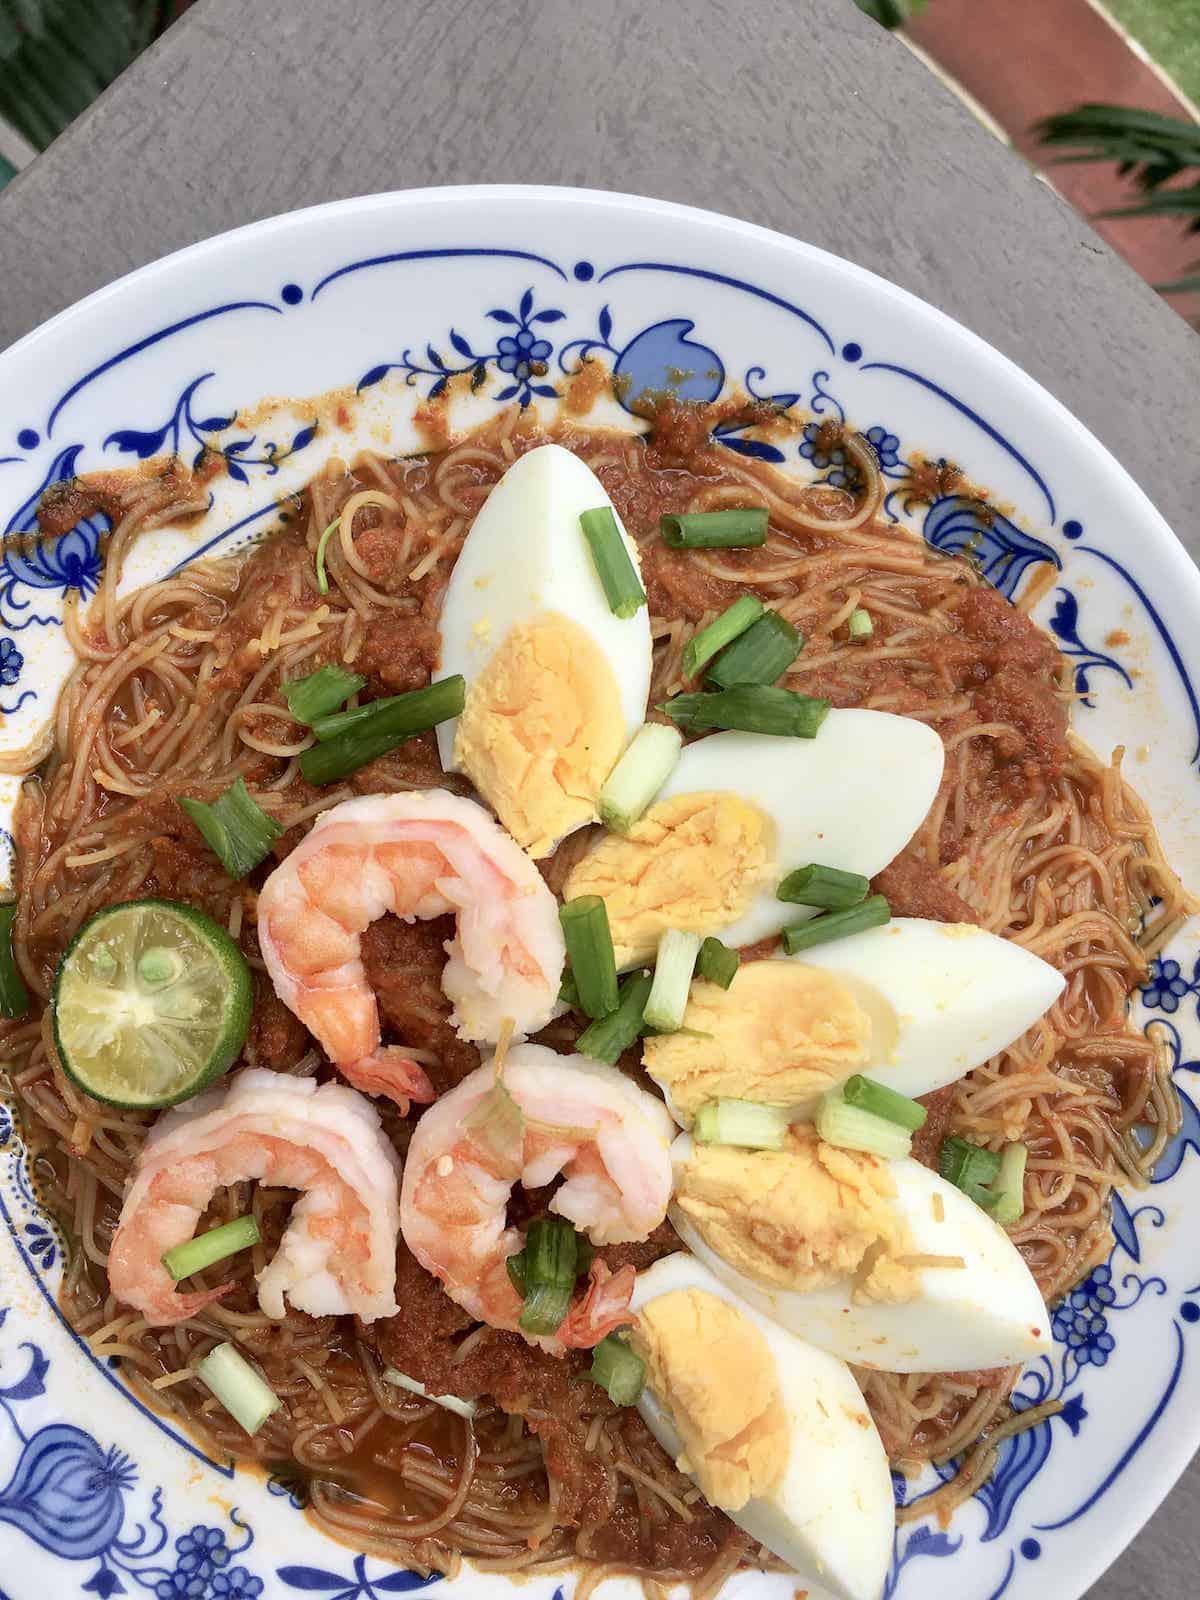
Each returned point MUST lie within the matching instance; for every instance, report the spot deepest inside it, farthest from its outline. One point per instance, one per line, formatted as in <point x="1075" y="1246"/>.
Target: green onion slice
<point x="639" y="775"/>
<point x="568" y="990"/>
<point x="714" y="530"/>
<point x="873" y="913"/>
<point x="551" y="1253"/>
<point x="762" y="654"/>
<point x="618" y="1369"/>
<point x="515" y="1267"/>
<point x="860" y="625"/>
<point x="969" y="1167"/>
<point x="741" y="1122"/>
<point x="321" y="692"/>
<point x="673" y="968"/>
<point x="238" y="1387"/>
<point x="881" y="1101"/>
<point x="546" y="1304"/>
<point x="14" y="997"/>
<point x="322" y="578"/>
<point x="723" y="630"/>
<point x="385" y="726"/>
<point x="851" y="1128"/>
<point x="496" y="1123"/>
<point x="614" y="565"/>
<point x="208" y="1248"/>
<point x="1007" y="1198"/>
<point x="827" y="887"/>
<point x="604" y="1040"/>
<point x="239" y="832"/>
<point x="590" y="952"/>
<point x="752" y="707"/>
<point x="451" y="1402"/>
<point x="717" y="963"/>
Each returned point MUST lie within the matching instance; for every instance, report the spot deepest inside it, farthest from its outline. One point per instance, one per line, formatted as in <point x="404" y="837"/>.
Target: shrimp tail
<point x="173" y="1308"/>
<point x="390" y="1072"/>
<point x="603" y="1308"/>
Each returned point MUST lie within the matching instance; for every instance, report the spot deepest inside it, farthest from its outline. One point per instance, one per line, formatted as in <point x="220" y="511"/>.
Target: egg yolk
<point x="693" y="862"/>
<point x="541" y="730"/>
<point x="802" y="1217"/>
<point x="713" y="1370"/>
<point x="781" y="1034"/>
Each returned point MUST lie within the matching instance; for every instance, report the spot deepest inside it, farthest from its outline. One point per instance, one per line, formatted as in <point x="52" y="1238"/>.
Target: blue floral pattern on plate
<point x="70" y="1491"/>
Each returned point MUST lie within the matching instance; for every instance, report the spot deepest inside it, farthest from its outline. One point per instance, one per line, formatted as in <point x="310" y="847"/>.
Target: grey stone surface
<point x="798" y="114"/>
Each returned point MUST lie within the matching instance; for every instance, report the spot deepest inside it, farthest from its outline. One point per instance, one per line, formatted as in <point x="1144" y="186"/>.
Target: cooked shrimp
<point x="338" y="1252"/>
<point x="608" y="1138"/>
<point x="418" y="855"/>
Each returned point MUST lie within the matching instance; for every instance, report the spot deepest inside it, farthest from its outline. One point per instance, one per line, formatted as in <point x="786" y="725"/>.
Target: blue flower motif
<point x="1167" y="985"/>
<point x="105" y="1583"/>
<point x="885" y="445"/>
<point x="1080" y="1322"/>
<point x="201" y="1550"/>
<point x="180" y="1585"/>
<point x="519" y="353"/>
<point x="11" y="662"/>
<point x="812" y="449"/>
<point x="236" y="1584"/>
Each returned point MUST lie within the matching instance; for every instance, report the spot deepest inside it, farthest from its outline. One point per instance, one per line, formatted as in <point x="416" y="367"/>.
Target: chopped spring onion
<point x="14" y="997"/>
<point x="723" y="630"/>
<point x="969" y="1167"/>
<point x="881" y="1101"/>
<point x="461" y="1408"/>
<point x="590" y="952"/>
<point x="673" y="968"/>
<point x="717" y="963"/>
<point x="827" y="887"/>
<point x="208" y="1248"/>
<point x="551" y="1263"/>
<point x="762" y="654"/>
<point x="320" y="693"/>
<point x="322" y="578"/>
<point x="238" y="1387"/>
<point x="604" y="1040"/>
<point x="496" y="1123"/>
<point x="639" y="775"/>
<point x="515" y="1267"/>
<point x="614" y="565"/>
<point x="239" y="832"/>
<point x="1007" y="1200"/>
<point x="752" y="707"/>
<point x="873" y="913"/>
<point x="618" y="1369"/>
<point x="860" y="625"/>
<point x="386" y="726"/>
<point x="714" y="530"/>
<point x="568" y="990"/>
<point x="741" y="1122"/>
<point x="339" y="722"/>
<point x="851" y="1128"/>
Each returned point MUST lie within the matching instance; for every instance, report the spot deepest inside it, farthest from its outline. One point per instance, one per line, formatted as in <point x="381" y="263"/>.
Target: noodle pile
<point x="177" y="692"/>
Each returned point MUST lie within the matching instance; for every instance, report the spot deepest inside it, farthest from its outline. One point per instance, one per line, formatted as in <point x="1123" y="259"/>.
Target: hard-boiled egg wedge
<point x="915" y="1004"/>
<point x="942" y="997"/>
<point x="882" y="1263"/>
<point x="556" y="683"/>
<point x="773" y="1431"/>
<point x="742" y="809"/>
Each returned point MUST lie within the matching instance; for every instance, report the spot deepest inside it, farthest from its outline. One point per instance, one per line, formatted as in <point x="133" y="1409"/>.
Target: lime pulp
<point x="151" y="1003"/>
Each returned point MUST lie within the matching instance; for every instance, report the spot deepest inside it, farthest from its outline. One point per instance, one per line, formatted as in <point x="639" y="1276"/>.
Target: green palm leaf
<point x="57" y="55"/>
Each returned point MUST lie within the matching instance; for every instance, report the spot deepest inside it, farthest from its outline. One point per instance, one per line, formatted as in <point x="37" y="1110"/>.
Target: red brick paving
<point x="1021" y="60"/>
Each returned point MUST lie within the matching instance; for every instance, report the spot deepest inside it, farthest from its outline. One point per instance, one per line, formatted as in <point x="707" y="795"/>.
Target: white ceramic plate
<point x="384" y="298"/>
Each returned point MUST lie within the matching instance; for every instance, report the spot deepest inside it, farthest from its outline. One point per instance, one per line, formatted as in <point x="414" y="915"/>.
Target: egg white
<point x="831" y="1516"/>
<point x="525" y="556"/>
<point x="943" y="997"/>
<point x="988" y="1313"/>
<point x="851" y="798"/>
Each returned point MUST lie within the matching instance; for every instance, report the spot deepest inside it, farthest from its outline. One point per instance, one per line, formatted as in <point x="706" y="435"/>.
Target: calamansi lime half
<point x="151" y="1003"/>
